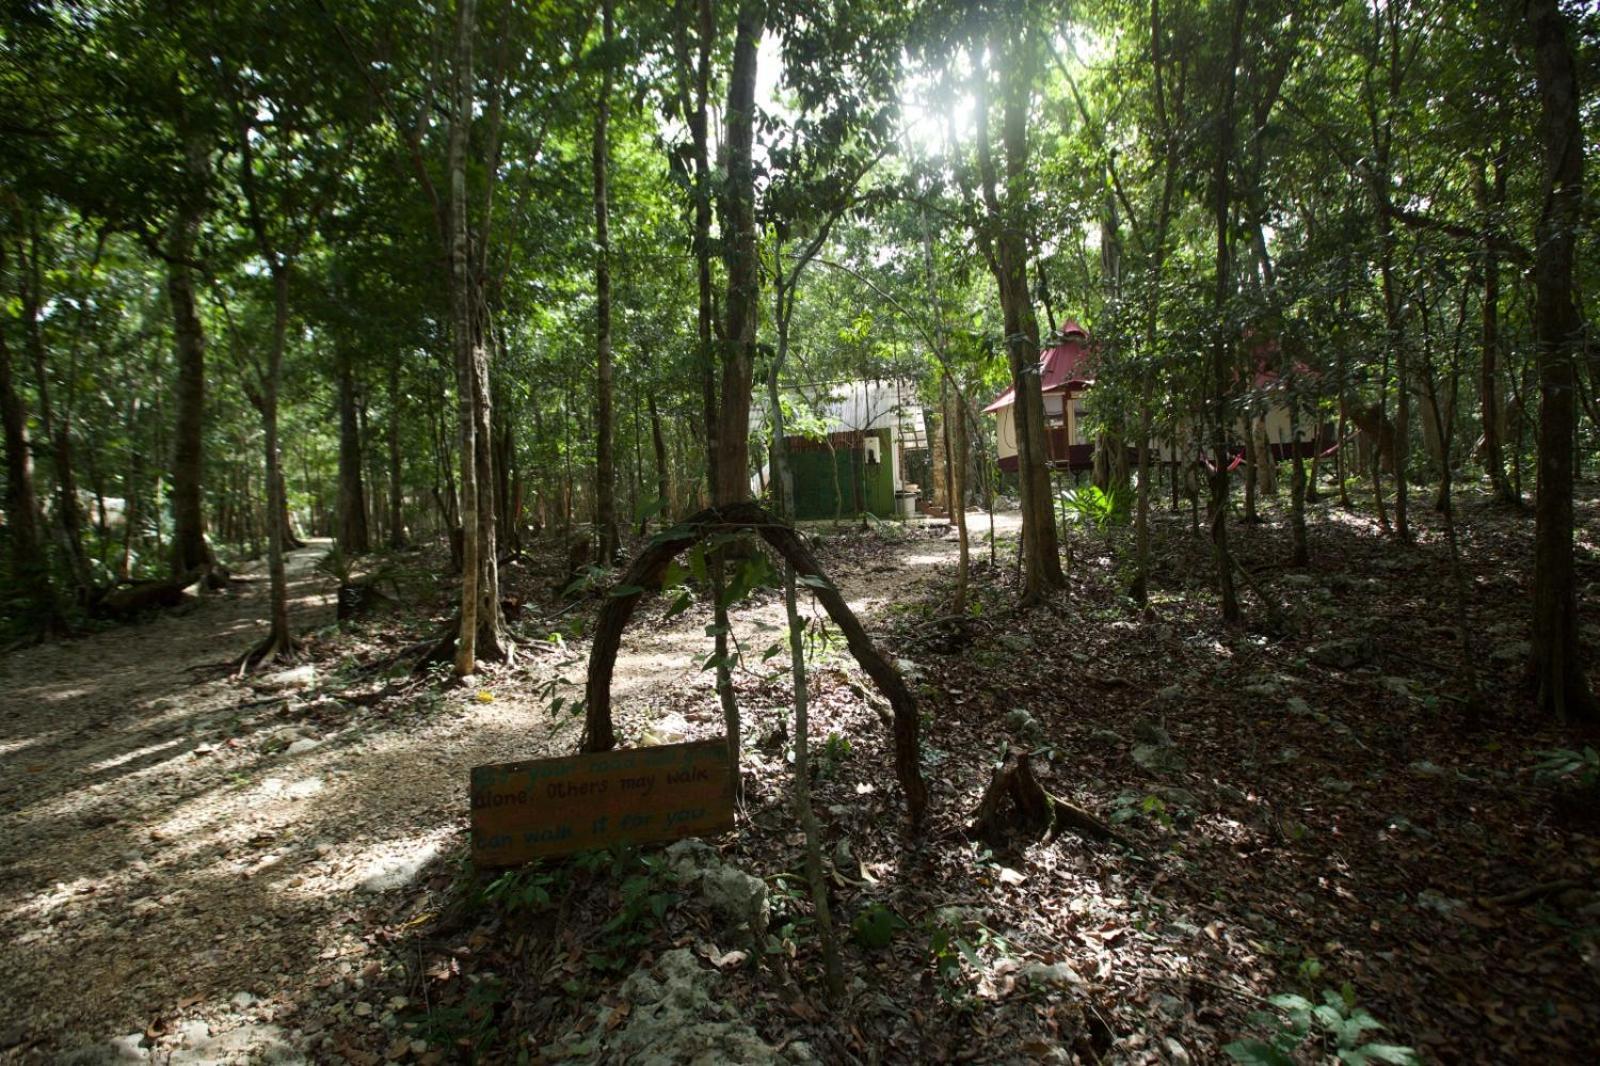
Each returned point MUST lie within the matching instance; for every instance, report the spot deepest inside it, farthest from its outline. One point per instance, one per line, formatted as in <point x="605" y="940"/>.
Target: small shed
<point x="854" y="457"/>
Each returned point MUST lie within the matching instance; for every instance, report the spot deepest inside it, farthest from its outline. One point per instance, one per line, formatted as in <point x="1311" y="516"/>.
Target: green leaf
<point x="1257" y="1053"/>
<point x="679" y="605"/>
<point x="714" y="660"/>
<point x="1330" y="1018"/>
<point x="1394" y="1053"/>
<point x="619" y="591"/>
<point x="1290" y="1001"/>
<point x="815" y="581"/>
<point x="772" y="650"/>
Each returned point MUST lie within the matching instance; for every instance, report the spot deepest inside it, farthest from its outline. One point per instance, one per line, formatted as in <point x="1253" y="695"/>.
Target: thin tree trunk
<point x="1251" y="463"/>
<point x="1301" y="550"/>
<point x="352" y="533"/>
<point x="492" y="643"/>
<point x="397" y="527"/>
<point x="461" y="323"/>
<point x="954" y="428"/>
<point x="605" y="488"/>
<point x="57" y="431"/>
<point x="658" y="443"/>
<point x="280" y="641"/>
<point x="1222" y="345"/>
<point x="1489" y="370"/>
<point x="29" y="568"/>
<point x="804" y="813"/>
<point x="1141" y="518"/>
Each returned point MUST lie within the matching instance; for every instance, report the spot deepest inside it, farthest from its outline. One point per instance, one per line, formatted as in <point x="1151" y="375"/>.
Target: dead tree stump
<point x="645" y="573"/>
<point x="1015" y="804"/>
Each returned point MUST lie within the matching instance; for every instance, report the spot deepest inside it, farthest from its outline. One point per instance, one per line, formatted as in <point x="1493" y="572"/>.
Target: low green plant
<point x="876" y="927"/>
<point x="835" y="750"/>
<point x="644" y="899"/>
<point x="1093" y="506"/>
<point x="525" y="889"/>
<point x="586" y="580"/>
<point x="952" y="942"/>
<point x="787" y="896"/>
<point x="469" y="1021"/>
<point x="1335" y="1028"/>
<point x="1130" y="805"/>
<point x="1563" y="766"/>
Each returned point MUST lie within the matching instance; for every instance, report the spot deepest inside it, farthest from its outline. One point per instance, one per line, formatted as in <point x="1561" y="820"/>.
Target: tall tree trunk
<point x="605" y="487"/>
<point x="1222" y="346"/>
<point x="30" y="570"/>
<point x="743" y="268"/>
<point x="280" y="641"/>
<point x="462" y="322"/>
<point x="1388" y="37"/>
<point x="729" y="454"/>
<point x="1158" y="255"/>
<point x="492" y="643"/>
<point x="694" y="86"/>
<point x="954" y="427"/>
<point x="1041" y="556"/>
<point x="1562" y="688"/>
<point x="190" y="551"/>
<point x="352" y="532"/>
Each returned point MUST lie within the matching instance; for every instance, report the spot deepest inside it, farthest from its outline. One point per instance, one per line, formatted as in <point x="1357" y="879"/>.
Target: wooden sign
<point x="528" y="810"/>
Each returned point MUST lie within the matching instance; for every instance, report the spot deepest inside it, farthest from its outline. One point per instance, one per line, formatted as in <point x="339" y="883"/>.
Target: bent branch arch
<point x="645" y="574"/>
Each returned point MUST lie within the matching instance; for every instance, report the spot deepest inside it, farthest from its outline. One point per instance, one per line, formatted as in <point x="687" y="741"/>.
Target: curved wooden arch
<point x="645" y="575"/>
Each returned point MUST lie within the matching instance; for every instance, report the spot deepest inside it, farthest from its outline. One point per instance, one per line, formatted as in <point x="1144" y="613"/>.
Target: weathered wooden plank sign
<point x="529" y="810"/>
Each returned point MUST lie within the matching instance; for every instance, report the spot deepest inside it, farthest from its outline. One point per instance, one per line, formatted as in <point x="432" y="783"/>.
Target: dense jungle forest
<point x="763" y="531"/>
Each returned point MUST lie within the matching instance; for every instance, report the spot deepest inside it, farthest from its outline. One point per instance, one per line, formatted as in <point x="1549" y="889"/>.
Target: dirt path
<point x="185" y="856"/>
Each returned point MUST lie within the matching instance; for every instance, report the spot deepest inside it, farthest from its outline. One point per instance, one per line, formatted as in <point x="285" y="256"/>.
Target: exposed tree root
<point x="1014" y="803"/>
<point x="442" y="648"/>
<point x="276" y="649"/>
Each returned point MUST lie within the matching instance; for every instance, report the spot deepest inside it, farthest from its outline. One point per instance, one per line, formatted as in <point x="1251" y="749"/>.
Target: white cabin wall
<point x="1005" y="432"/>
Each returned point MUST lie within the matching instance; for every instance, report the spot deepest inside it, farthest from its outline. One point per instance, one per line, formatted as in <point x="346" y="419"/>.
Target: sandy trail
<point x="188" y="852"/>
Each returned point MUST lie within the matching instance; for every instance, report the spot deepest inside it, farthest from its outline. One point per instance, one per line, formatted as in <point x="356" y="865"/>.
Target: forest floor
<point x="196" y="867"/>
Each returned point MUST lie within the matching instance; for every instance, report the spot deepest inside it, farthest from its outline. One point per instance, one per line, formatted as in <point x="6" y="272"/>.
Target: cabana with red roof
<point x="1066" y="372"/>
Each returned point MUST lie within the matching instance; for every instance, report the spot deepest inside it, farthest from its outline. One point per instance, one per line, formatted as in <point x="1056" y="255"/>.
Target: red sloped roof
<point x="1066" y="366"/>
